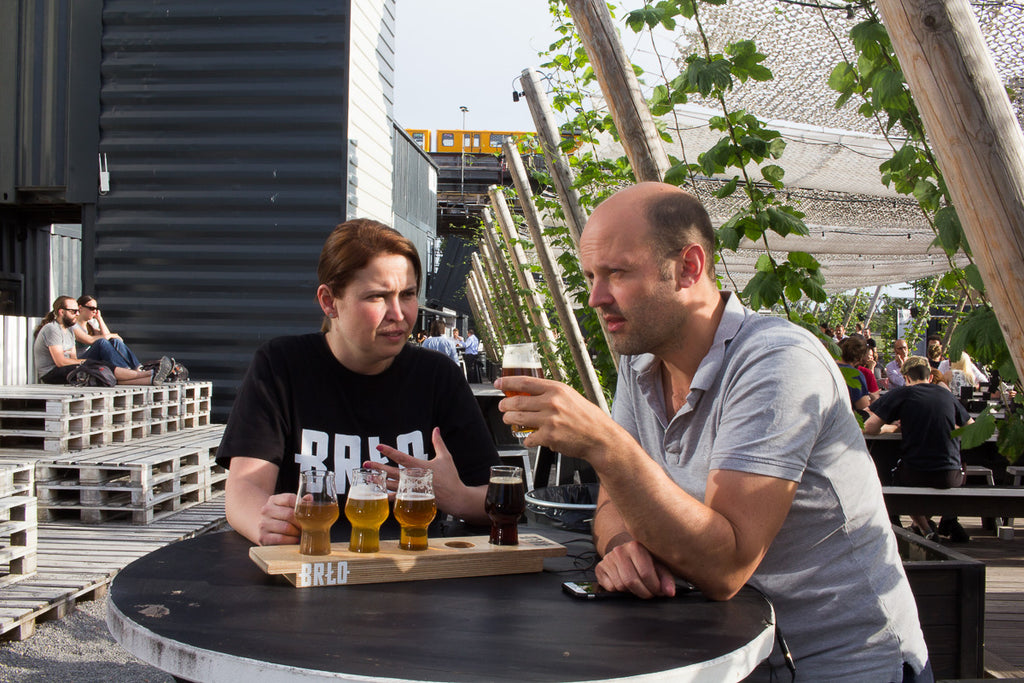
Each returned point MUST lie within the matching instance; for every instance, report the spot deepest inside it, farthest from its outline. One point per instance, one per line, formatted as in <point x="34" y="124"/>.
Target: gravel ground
<point x="75" y="649"/>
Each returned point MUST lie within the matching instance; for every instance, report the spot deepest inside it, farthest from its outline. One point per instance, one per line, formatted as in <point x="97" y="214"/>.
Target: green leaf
<point x="783" y="222"/>
<point x="764" y="264"/>
<point x="763" y="291"/>
<point x="1011" y="437"/>
<point x="776" y="147"/>
<point x="773" y="174"/>
<point x="802" y="259"/>
<point x="677" y="175"/>
<point x="951" y="234"/>
<point x="757" y="147"/>
<point x="843" y="78"/>
<point x="710" y="75"/>
<point x="645" y="16"/>
<point x="973" y="435"/>
<point x="867" y="32"/>
<point x="973" y="276"/>
<point x="889" y="89"/>
<point x="927" y="194"/>
<point x="727" y="189"/>
<point x="814" y="290"/>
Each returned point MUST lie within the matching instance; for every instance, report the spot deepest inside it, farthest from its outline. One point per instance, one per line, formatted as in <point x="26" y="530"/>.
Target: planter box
<point x="950" y="591"/>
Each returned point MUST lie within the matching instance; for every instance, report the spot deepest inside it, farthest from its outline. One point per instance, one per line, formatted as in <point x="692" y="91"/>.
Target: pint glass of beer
<point x="366" y="508"/>
<point x="520" y="359"/>
<point x="505" y="503"/>
<point x="415" y="507"/>
<point x="316" y="509"/>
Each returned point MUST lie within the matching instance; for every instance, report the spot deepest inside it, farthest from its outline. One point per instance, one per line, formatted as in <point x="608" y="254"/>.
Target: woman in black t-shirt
<point x="353" y="394"/>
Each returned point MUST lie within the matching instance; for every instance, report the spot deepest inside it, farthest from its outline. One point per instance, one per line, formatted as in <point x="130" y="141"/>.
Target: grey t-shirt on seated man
<point x="768" y="399"/>
<point x="52" y="334"/>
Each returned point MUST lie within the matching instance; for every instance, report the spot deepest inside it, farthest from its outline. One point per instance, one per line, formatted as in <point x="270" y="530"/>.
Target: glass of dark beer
<point x="316" y="509"/>
<point x="366" y="508"/>
<point x="415" y="506"/>
<point x="505" y="503"/>
<point x="520" y="359"/>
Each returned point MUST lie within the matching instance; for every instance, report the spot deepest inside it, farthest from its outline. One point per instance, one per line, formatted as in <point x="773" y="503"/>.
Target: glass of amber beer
<point x="520" y="359"/>
<point x="366" y="508"/>
<point x="415" y="507"/>
<point x="505" y="503"/>
<point x="316" y="509"/>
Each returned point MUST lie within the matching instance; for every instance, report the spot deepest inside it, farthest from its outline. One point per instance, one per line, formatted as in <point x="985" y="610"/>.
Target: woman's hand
<point x="453" y="497"/>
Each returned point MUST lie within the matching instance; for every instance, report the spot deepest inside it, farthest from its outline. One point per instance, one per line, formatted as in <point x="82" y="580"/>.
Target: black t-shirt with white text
<point x="299" y="408"/>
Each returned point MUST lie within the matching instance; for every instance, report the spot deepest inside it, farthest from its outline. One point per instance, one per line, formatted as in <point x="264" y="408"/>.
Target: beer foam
<point x="415" y="496"/>
<point x="506" y="480"/>
<point x="366" y="492"/>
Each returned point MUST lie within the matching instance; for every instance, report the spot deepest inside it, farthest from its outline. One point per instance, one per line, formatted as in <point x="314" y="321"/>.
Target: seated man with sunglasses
<point x="56" y="357"/>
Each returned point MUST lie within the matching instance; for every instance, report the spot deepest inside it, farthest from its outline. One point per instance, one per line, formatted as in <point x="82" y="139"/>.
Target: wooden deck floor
<point x="1004" y="596"/>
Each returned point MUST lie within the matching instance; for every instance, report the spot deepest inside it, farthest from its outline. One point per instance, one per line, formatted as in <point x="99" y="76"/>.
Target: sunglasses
<point x="70" y="310"/>
<point x="92" y="308"/>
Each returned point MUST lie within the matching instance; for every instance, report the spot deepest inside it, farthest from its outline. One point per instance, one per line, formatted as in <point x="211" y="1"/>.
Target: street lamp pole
<point x="462" y="170"/>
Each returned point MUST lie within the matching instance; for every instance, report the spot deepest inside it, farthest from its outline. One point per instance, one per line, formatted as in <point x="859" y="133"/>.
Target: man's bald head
<point x="674" y="218"/>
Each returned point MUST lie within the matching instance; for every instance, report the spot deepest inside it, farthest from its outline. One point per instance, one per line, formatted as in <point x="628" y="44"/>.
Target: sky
<point x="455" y="53"/>
<point x="452" y="53"/>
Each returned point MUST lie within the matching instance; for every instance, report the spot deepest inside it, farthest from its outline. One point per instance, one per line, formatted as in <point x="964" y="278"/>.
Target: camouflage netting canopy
<point x="862" y="231"/>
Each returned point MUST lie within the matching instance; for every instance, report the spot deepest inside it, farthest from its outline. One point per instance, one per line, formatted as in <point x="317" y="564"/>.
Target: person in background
<point x="935" y="353"/>
<point x="56" y="357"/>
<point x="893" y="370"/>
<point x="97" y="341"/>
<point x="731" y="456"/>
<point x="471" y="355"/>
<point x="440" y="343"/>
<point x="927" y="414"/>
<point x="852" y="351"/>
<point x="460" y="343"/>
<point x="353" y="393"/>
<point x="867" y="370"/>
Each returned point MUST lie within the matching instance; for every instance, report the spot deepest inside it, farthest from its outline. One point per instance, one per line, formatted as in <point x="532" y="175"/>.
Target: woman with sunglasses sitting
<point x="97" y="341"/>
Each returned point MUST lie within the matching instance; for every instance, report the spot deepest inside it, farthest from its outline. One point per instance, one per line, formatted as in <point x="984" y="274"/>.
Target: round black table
<point x="201" y="610"/>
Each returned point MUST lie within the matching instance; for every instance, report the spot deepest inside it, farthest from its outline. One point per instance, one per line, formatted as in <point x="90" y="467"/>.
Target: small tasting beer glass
<point x="415" y="507"/>
<point x="366" y="508"/>
<point x="505" y="503"/>
<point x="520" y="359"/>
<point x="316" y="509"/>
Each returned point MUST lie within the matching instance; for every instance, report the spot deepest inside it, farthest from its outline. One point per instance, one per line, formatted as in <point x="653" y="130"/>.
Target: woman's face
<point x="373" y="316"/>
<point x="88" y="311"/>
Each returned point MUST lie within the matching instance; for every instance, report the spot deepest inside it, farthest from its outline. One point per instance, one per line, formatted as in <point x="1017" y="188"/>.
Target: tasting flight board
<point x="445" y="558"/>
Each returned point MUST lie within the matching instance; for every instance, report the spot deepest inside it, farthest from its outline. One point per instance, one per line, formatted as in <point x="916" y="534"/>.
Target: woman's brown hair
<point x="352" y="245"/>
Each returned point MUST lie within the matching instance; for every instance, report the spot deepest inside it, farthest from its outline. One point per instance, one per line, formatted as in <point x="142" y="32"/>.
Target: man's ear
<point x="690" y="262"/>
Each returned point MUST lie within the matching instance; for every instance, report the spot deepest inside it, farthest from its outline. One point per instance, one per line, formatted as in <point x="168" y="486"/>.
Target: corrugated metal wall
<point x="414" y="186"/>
<point x="224" y="126"/>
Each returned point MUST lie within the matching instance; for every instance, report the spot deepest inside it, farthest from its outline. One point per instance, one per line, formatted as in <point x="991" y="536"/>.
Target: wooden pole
<point x="872" y="305"/>
<point x="977" y="139"/>
<point x="482" y="311"/>
<point x="614" y="71"/>
<point x="561" y="172"/>
<point x="487" y="297"/>
<point x="851" y="309"/>
<point x="492" y="289"/>
<point x="503" y="268"/>
<point x="563" y="307"/>
<point x="521" y="265"/>
<point x="948" y="334"/>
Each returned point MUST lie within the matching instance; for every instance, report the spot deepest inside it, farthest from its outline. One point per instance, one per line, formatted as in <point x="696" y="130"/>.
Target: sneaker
<point x="160" y="374"/>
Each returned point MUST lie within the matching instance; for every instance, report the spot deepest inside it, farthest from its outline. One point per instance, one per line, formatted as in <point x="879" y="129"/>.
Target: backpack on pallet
<point x="91" y="373"/>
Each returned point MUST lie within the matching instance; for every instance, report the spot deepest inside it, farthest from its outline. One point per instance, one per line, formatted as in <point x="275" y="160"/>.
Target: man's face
<point x="68" y="314"/>
<point x="631" y="287"/>
<point x="900" y="349"/>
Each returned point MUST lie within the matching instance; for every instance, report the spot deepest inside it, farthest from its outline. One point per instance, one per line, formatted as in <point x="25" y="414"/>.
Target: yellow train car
<point x="421" y="136"/>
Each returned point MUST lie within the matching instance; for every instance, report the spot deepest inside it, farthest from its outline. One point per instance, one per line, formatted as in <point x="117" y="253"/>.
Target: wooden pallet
<point x="143" y="481"/>
<point x="58" y="419"/>
<point x="18" y="523"/>
<point x="77" y="562"/>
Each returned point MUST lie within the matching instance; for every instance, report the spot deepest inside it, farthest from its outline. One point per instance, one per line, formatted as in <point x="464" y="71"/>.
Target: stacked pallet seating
<point x="92" y="478"/>
<point x="104" y="454"/>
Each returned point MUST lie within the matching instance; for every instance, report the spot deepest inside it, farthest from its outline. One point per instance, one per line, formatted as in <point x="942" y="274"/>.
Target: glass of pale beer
<point x="415" y="506"/>
<point x="366" y="508"/>
<point x="520" y="359"/>
<point x="505" y="503"/>
<point x="316" y="509"/>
